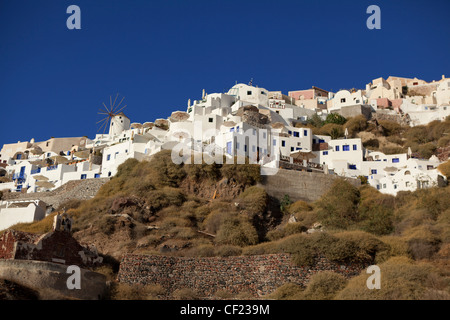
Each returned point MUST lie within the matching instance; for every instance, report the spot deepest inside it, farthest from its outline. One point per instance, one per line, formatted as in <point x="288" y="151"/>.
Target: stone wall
<point x="77" y="189"/>
<point x="257" y="275"/>
<point x="300" y="185"/>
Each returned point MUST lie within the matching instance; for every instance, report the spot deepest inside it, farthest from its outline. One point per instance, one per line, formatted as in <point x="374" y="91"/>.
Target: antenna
<point x="109" y="113"/>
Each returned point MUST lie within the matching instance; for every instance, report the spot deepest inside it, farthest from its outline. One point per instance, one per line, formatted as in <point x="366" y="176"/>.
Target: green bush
<point x="335" y="118"/>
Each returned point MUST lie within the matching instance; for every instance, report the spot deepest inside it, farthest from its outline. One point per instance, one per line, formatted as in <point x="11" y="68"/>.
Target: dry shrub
<point x="203" y="250"/>
<point x="287" y="230"/>
<point x="43" y="226"/>
<point x="254" y="199"/>
<point x="356" y="124"/>
<point x="324" y="285"/>
<point x="444" y="168"/>
<point x="124" y="291"/>
<point x="423" y="242"/>
<point x="185" y="294"/>
<point x="401" y="279"/>
<point x="261" y="248"/>
<point x="236" y="230"/>
<point x="337" y="208"/>
<point x="288" y="291"/>
<point x="376" y="211"/>
<point x="228" y="251"/>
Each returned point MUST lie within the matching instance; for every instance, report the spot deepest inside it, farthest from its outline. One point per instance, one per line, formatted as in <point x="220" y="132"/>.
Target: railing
<point x="311" y="167"/>
<point x="52" y="168"/>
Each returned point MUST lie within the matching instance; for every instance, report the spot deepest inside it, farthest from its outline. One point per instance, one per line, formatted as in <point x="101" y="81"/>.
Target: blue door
<point x="229" y="145"/>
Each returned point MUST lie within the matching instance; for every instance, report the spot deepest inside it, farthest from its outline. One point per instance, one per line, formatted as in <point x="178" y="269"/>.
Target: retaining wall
<point x="257" y="275"/>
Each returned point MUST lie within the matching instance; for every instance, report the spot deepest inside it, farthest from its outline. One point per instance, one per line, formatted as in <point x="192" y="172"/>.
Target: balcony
<point x="19" y="176"/>
<point x="50" y="168"/>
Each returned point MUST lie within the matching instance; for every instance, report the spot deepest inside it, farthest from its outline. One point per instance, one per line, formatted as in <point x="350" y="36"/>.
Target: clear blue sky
<point x="158" y="54"/>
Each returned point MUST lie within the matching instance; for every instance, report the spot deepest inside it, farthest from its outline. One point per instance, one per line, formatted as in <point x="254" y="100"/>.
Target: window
<point x="305" y="133"/>
<point x="278" y="112"/>
<point x="48" y="155"/>
<point x="373" y="171"/>
<point x="343" y="100"/>
<point x="298" y="148"/>
<point x="378" y="187"/>
<point x="395" y="186"/>
<point x="237" y="145"/>
<point x="337" y="148"/>
<point x="352" y="166"/>
<point x="384" y="185"/>
<point x="115" y="156"/>
<point x="325" y="153"/>
<point x="254" y="131"/>
<point x="19" y="156"/>
<point x="210" y="119"/>
<point x="274" y="142"/>
<point x="346" y="148"/>
<point x="283" y="143"/>
<point x="249" y="93"/>
<point x="231" y="129"/>
<point x="97" y="175"/>
<point x="108" y="157"/>
<point x="264" y="135"/>
<point x="357" y="101"/>
<point x="245" y="147"/>
<point x="262" y="92"/>
<point x="237" y="129"/>
<point x="395" y="160"/>
<point x="109" y="174"/>
<point x="355" y="147"/>
<point x="296" y="134"/>
<point x="299" y="144"/>
<point x="292" y="149"/>
<point x="290" y="132"/>
<point x="83" y="176"/>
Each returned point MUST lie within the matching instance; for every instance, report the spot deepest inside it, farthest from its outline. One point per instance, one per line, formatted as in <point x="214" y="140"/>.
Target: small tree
<point x="335" y="118"/>
<point x="285" y="203"/>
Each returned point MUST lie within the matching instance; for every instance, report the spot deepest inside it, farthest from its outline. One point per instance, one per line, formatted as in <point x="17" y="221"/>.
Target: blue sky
<point x="158" y="54"/>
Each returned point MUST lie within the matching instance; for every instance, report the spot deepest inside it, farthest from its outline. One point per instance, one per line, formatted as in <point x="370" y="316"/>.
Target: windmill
<point x="109" y="113"/>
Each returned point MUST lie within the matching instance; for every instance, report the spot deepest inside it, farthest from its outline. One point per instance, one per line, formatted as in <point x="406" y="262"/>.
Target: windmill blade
<point x="119" y="103"/>
<point x="110" y="102"/>
<point x="106" y="108"/>
<point x="104" y="123"/>
<point x="104" y="119"/>
<point x="115" y="99"/>
<point x="117" y="112"/>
